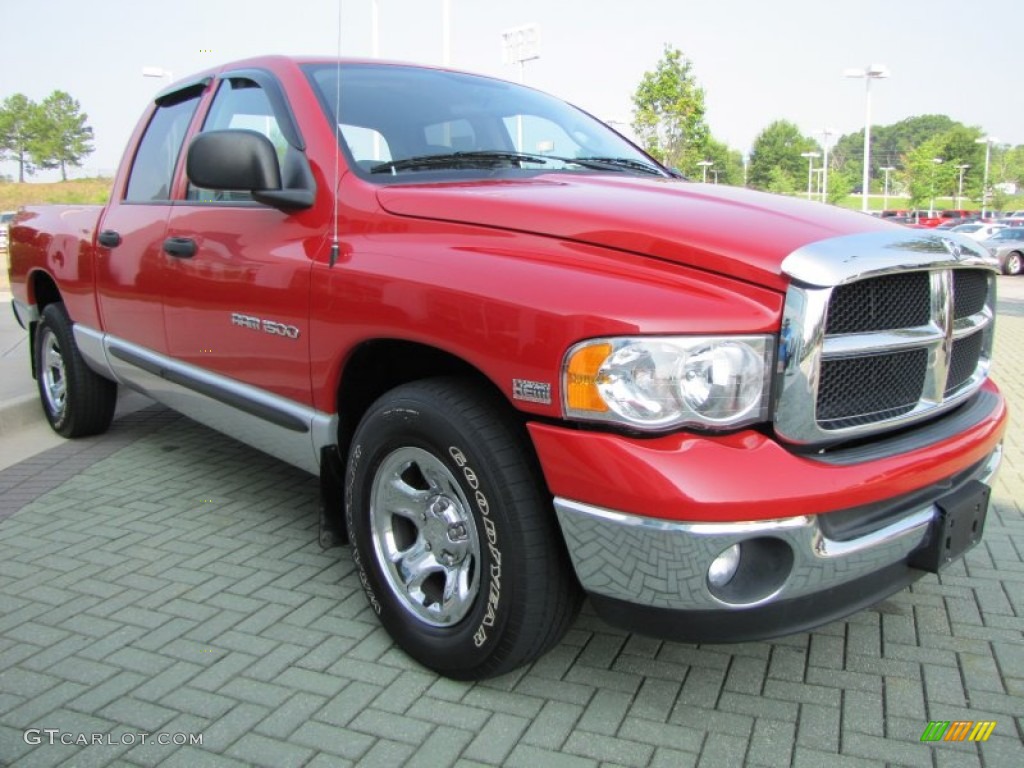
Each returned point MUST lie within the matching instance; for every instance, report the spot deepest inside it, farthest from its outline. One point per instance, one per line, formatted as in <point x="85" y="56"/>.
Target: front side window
<point x="153" y="168"/>
<point x="240" y="104"/>
<point x="439" y="125"/>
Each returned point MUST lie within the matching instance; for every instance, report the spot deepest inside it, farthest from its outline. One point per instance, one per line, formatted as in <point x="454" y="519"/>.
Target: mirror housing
<point x="241" y="160"/>
<point x="235" y="160"/>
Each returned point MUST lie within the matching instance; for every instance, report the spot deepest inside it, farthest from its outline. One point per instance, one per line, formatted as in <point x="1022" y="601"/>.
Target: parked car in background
<point x="956" y="213"/>
<point x="1008" y="246"/>
<point x="925" y="218"/>
<point x="977" y="230"/>
<point x="935" y="218"/>
<point x="5" y="222"/>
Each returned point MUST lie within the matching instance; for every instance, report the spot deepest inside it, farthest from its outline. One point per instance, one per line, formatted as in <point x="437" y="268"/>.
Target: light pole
<point x="520" y="45"/>
<point x="988" y="141"/>
<point x="885" y="193"/>
<point x="810" y="169"/>
<point x="869" y="73"/>
<point x="826" y="134"/>
<point x="705" y="164"/>
<point x="375" y="36"/>
<point x="446" y="33"/>
<point x="960" y="185"/>
<point x="931" y="208"/>
<point x="375" y="30"/>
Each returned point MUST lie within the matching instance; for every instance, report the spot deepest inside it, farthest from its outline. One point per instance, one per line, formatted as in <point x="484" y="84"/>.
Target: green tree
<point x="958" y="146"/>
<point x="1007" y="165"/>
<point x="928" y="173"/>
<point x="780" y="181"/>
<point x="889" y="145"/>
<point x="64" y="139"/>
<point x="840" y="185"/>
<point x="20" y="125"/>
<point x="780" y="145"/>
<point x="728" y="163"/>
<point x="668" y="113"/>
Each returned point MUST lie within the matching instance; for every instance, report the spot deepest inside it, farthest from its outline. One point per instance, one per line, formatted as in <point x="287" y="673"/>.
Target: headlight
<point x="659" y="383"/>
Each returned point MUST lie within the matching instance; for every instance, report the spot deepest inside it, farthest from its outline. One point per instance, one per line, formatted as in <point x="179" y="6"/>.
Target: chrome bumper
<point x="664" y="564"/>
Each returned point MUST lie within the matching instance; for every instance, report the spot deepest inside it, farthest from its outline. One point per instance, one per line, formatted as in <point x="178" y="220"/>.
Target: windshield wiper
<point x="618" y="163"/>
<point x="485" y="158"/>
<point x="488" y="158"/>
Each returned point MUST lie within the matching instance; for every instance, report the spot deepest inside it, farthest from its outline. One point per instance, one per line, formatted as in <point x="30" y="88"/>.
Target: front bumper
<point x="652" y="575"/>
<point x="820" y="537"/>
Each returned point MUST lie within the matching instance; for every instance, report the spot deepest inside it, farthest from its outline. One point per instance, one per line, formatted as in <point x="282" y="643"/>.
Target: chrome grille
<point x="862" y="390"/>
<point x="893" y="301"/>
<point x="970" y="292"/>
<point x="963" y="361"/>
<point x="904" y="337"/>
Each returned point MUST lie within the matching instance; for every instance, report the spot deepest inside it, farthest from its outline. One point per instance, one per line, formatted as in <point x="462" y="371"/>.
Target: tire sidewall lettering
<point x="364" y="578"/>
<point x="493" y="596"/>
<point x="490" y="597"/>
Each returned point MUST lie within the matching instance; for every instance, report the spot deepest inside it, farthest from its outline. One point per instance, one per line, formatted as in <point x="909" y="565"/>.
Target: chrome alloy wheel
<point x="54" y="375"/>
<point x="425" y="537"/>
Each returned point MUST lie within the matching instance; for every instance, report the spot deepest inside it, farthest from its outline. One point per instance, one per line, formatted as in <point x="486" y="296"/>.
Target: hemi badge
<point x="531" y="391"/>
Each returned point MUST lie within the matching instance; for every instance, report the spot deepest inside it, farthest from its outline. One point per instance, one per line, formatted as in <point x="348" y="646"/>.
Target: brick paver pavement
<point x="165" y="579"/>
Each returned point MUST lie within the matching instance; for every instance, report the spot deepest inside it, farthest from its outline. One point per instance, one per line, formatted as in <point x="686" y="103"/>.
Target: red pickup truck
<point x="528" y="362"/>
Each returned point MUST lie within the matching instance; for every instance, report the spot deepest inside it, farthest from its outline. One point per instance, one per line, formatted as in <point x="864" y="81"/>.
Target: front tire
<point x="1013" y="264"/>
<point x="454" y="538"/>
<point x="76" y="400"/>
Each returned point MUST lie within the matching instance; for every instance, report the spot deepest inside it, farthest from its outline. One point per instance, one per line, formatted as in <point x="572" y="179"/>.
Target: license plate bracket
<point x="958" y="527"/>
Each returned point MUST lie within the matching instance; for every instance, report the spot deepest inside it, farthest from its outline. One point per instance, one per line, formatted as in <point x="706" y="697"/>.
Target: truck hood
<point x="727" y="230"/>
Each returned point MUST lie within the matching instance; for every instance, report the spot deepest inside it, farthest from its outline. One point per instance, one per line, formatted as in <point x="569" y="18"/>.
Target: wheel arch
<point x="379" y="365"/>
<point x="42" y="292"/>
<point x="374" y="368"/>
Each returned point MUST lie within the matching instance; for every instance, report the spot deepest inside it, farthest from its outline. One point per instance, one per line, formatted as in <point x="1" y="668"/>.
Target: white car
<point x="978" y="230"/>
<point x="5" y="220"/>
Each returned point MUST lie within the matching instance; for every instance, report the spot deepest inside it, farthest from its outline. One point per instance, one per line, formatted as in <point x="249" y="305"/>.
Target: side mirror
<point x="236" y="160"/>
<point x="242" y="161"/>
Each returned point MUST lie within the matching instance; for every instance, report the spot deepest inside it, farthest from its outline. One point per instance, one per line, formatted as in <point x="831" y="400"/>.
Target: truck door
<point x="236" y="294"/>
<point x="130" y="254"/>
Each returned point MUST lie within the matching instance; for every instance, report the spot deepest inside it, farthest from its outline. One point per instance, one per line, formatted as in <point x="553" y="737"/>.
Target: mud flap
<point x="332" y="499"/>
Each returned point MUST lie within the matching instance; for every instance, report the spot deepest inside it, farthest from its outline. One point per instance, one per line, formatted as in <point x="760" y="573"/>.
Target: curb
<point x="18" y="412"/>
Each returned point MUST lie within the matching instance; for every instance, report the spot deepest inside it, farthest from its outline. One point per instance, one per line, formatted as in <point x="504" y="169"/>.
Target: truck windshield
<point x="412" y="124"/>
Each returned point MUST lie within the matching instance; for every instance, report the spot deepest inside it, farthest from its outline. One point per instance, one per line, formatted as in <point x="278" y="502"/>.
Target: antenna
<point x="335" y="245"/>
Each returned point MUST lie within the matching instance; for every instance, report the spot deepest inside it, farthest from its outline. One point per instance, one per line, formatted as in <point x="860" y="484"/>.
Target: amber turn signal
<point x="581" y="378"/>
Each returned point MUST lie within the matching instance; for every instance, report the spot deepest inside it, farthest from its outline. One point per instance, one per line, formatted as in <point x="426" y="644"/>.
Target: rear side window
<point x="157" y="156"/>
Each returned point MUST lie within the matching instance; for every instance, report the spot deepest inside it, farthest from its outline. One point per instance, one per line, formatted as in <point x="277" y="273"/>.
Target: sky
<point x="758" y="61"/>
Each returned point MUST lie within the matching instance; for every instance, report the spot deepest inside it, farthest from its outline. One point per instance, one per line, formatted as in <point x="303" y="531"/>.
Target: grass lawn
<point x="14" y="195"/>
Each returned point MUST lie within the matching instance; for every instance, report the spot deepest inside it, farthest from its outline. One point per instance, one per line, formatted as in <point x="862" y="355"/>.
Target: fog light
<point x="723" y="568"/>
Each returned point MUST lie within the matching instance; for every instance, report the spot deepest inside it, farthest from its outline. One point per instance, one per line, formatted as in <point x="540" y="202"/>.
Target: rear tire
<point x="1013" y="264"/>
<point x="77" y="401"/>
<point x="453" y="533"/>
